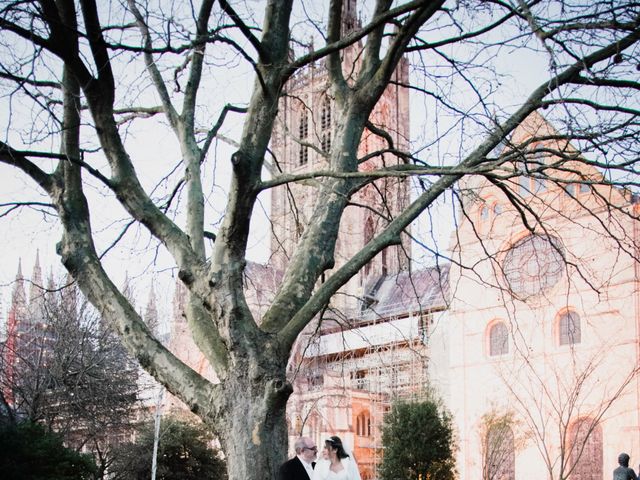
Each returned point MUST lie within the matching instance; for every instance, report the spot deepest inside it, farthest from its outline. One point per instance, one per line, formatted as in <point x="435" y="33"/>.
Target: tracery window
<point x="585" y="437"/>
<point x="303" y="126"/>
<point x="325" y="125"/>
<point x="325" y="142"/>
<point x="303" y="134"/>
<point x="572" y="189"/>
<point x="303" y="155"/>
<point x="569" y="330"/>
<point x="363" y="424"/>
<point x="533" y="265"/>
<point x="500" y="457"/>
<point x="325" y="114"/>
<point x="498" y="339"/>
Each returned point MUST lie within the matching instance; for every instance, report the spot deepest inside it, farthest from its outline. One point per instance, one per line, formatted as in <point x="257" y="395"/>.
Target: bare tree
<point x="563" y="406"/>
<point x="78" y="67"/>
<point x="70" y="373"/>
<point x="499" y="444"/>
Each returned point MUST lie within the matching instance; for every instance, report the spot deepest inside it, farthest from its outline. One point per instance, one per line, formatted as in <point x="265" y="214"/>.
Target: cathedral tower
<point x="301" y="143"/>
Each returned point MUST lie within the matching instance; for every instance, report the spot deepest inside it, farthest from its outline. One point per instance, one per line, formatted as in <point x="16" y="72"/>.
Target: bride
<point x="336" y="463"/>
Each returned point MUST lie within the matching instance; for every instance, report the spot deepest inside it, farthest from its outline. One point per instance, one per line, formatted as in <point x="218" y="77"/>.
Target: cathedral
<point x="530" y="336"/>
<point x="534" y="350"/>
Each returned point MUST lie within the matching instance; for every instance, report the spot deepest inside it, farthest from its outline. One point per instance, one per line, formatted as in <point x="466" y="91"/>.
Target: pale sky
<point x="29" y="231"/>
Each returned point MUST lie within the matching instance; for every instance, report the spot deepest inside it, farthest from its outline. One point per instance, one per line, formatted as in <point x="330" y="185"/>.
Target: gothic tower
<point x="301" y="141"/>
<point x="16" y="317"/>
<point x="25" y="332"/>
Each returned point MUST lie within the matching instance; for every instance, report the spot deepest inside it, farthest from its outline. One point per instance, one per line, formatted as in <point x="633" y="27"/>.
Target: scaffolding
<point x="371" y="372"/>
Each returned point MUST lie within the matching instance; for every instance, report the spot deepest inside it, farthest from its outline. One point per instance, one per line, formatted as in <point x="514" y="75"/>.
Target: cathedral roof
<point x="401" y="294"/>
<point x="406" y="293"/>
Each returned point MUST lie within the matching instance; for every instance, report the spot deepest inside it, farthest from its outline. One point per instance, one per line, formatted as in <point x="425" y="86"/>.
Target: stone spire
<point x="18" y="296"/>
<point x="36" y="288"/>
<point x="36" y="292"/>
<point x="151" y="312"/>
<point x="51" y="283"/>
<point x="127" y="289"/>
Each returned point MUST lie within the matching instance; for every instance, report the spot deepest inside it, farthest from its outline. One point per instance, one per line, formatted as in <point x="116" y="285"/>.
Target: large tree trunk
<point x="253" y="429"/>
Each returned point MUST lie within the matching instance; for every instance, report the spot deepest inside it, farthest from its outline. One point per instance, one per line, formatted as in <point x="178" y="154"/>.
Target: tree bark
<point x="253" y="429"/>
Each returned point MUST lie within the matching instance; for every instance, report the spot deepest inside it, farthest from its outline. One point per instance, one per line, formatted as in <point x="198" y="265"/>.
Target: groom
<point x="301" y="466"/>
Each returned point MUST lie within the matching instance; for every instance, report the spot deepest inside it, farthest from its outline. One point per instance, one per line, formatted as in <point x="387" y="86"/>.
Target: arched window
<point x="488" y="212"/>
<point x="585" y="450"/>
<point x="325" y="125"/>
<point x="368" y="236"/>
<point x="573" y="190"/>
<point x="325" y="114"/>
<point x="498" y="339"/>
<point x="303" y="134"/>
<point x="303" y="126"/>
<point x="363" y="424"/>
<point x="325" y="142"/>
<point x="303" y="155"/>
<point x="500" y="457"/>
<point x="531" y="184"/>
<point x="569" y="331"/>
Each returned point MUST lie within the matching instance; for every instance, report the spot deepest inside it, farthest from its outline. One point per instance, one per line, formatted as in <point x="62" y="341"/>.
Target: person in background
<point x="301" y="466"/>
<point x="623" y="472"/>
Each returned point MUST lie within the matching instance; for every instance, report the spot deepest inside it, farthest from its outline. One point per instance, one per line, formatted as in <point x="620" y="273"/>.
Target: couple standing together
<point x="335" y="464"/>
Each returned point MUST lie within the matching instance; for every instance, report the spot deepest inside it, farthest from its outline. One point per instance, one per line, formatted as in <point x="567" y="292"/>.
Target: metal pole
<point x="156" y="433"/>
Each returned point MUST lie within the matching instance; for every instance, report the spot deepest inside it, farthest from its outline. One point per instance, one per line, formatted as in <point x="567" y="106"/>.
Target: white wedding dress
<point x="349" y="472"/>
<point x="341" y="475"/>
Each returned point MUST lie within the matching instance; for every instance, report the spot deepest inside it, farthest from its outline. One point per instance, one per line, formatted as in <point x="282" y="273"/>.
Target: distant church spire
<point x="151" y="313"/>
<point x="36" y="292"/>
<point x="36" y="287"/>
<point x="18" y="296"/>
<point x="127" y="290"/>
<point x="51" y="283"/>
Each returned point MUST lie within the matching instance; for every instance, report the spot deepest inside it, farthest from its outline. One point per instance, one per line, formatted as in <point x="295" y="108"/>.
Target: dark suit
<point x="624" y="473"/>
<point x="293" y="470"/>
